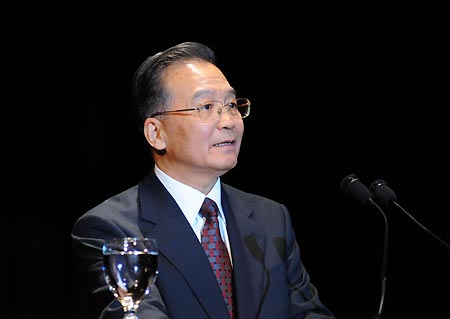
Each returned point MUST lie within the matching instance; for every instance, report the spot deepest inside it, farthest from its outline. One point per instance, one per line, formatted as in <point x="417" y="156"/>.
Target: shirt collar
<point x="189" y="199"/>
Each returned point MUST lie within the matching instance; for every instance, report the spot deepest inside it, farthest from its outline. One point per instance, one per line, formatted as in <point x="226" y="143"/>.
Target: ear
<point x="152" y="132"/>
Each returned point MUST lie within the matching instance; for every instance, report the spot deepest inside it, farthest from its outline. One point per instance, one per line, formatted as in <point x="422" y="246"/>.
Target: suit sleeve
<point x="305" y="302"/>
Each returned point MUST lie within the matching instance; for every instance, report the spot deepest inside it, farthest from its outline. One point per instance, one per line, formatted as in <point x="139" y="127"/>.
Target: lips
<point x="223" y="144"/>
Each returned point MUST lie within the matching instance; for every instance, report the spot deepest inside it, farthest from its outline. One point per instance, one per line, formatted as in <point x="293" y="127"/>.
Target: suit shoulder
<point x="116" y="203"/>
<point x="254" y="199"/>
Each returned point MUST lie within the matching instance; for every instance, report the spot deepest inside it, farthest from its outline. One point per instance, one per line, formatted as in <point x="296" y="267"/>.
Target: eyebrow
<point x="197" y="94"/>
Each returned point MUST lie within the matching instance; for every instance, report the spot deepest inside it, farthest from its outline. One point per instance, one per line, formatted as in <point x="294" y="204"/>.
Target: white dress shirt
<point x="190" y="201"/>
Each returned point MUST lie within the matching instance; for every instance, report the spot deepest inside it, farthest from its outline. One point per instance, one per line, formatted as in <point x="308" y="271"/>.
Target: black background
<point x="334" y="91"/>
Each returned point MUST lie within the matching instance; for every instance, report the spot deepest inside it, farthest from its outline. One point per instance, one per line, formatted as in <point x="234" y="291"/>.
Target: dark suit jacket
<point x="269" y="278"/>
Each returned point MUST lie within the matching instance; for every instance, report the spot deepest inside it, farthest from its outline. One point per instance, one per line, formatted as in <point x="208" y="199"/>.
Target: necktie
<point x="217" y="251"/>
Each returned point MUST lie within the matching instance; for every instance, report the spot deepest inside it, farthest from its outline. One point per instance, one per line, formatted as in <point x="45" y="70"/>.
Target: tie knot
<point x="209" y="208"/>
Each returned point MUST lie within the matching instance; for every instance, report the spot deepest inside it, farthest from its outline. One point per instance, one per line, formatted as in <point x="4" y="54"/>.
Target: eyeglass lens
<point x="213" y="109"/>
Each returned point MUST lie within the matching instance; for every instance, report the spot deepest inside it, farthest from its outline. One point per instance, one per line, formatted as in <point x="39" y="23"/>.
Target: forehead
<point x="195" y="81"/>
<point x="193" y="73"/>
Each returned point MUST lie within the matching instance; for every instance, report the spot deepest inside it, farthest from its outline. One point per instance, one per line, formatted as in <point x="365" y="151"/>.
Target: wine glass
<point x="130" y="267"/>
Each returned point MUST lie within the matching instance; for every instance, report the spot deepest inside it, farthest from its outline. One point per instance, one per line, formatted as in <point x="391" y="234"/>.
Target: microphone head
<point x="382" y="192"/>
<point x="355" y="189"/>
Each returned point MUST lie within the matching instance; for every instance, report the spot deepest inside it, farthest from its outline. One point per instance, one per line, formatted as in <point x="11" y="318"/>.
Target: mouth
<point x="226" y="143"/>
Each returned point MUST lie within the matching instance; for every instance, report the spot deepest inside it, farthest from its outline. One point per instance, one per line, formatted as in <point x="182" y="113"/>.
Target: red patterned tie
<point x="217" y="252"/>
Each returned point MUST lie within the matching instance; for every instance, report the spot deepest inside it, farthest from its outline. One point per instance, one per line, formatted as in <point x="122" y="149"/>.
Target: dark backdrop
<point x="331" y="95"/>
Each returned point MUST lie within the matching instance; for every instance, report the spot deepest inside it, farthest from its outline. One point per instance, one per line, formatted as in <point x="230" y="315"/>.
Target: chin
<point x="225" y="167"/>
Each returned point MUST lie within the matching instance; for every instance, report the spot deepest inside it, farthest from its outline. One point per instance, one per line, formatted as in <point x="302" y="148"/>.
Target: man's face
<point x="194" y="147"/>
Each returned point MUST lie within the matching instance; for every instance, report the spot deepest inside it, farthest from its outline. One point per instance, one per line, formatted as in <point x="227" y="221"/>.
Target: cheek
<point x="191" y="137"/>
<point x="240" y="131"/>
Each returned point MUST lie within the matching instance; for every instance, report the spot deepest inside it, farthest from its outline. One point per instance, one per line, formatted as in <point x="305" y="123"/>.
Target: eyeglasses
<point x="210" y="111"/>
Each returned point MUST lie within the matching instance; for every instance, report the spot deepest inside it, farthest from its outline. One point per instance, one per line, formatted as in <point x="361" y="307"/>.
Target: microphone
<point x="356" y="190"/>
<point x="352" y="186"/>
<point x="386" y="196"/>
<point x="257" y="253"/>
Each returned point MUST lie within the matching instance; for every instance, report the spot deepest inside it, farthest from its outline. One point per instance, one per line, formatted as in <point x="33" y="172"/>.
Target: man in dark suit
<point x="193" y="122"/>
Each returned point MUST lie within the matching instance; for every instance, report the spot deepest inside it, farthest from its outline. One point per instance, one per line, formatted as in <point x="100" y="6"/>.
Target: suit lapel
<point x="187" y="255"/>
<point x="247" y="244"/>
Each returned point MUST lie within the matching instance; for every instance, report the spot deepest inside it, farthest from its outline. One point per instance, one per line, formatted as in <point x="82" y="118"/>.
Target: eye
<point x="207" y="106"/>
<point x="232" y="105"/>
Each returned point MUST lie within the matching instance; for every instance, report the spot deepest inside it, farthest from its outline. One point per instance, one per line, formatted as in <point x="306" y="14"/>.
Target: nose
<point x="227" y="107"/>
<point x="225" y="119"/>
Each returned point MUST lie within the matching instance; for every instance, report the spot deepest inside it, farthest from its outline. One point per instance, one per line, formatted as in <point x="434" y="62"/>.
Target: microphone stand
<point x="379" y="314"/>
<point x="360" y="193"/>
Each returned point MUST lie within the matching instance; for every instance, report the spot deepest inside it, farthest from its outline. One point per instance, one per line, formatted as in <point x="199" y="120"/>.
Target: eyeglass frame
<point x="168" y="112"/>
